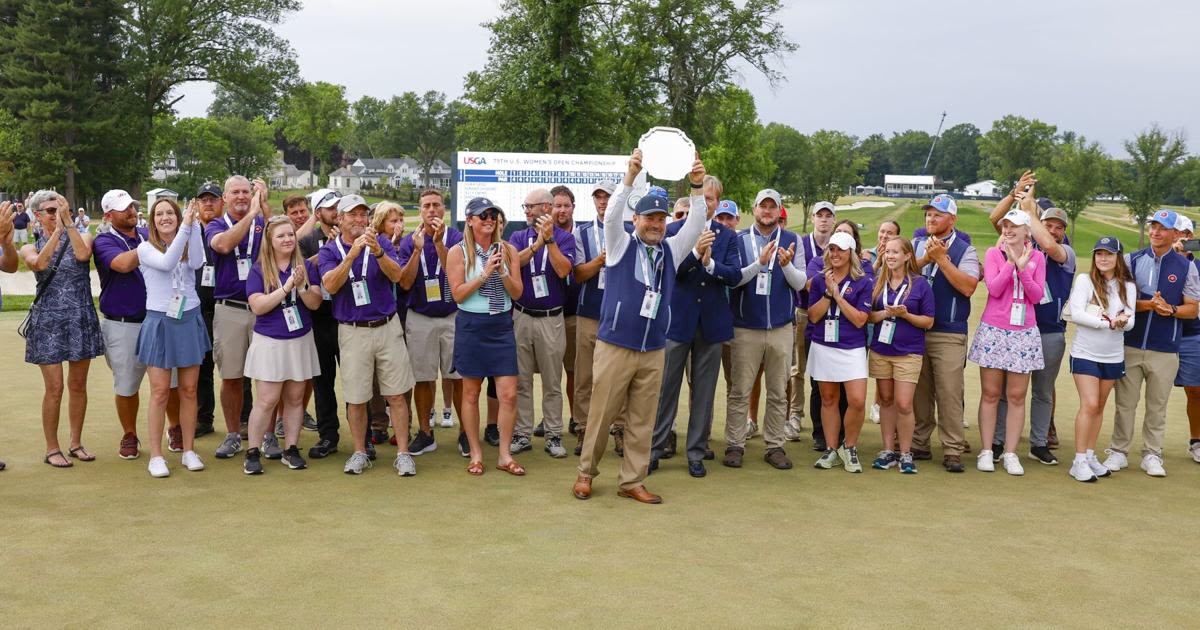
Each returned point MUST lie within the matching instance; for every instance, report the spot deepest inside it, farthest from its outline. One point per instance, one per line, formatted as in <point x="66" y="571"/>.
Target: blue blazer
<point x="701" y="299"/>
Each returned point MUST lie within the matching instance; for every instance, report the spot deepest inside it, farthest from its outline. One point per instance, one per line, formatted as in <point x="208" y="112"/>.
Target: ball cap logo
<point x="1106" y="240"/>
<point x="1172" y="278"/>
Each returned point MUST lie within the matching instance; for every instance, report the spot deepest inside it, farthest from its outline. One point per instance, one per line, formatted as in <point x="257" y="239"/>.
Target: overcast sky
<point x="1102" y="68"/>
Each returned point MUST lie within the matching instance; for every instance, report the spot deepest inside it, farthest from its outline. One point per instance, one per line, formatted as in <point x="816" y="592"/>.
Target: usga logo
<point x="474" y="160"/>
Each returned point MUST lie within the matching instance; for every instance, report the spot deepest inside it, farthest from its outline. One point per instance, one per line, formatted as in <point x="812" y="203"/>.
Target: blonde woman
<point x="173" y="336"/>
<point x="282" y="356"/>
<point x="387" y="219"/>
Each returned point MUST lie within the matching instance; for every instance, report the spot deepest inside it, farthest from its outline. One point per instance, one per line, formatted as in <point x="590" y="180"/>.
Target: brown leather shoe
<point x="733" y="457"/>
<point x="129" y="446"/>
<point x="583" y="487"/>
<point x="640" y="494"/>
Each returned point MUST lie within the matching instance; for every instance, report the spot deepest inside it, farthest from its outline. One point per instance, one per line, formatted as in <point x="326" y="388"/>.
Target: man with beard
<point x="325" y="330"/>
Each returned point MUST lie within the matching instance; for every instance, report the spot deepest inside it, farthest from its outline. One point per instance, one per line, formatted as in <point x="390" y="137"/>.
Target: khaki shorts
<point x="569" y="355"/>
<point x="374" y="354"/>
<point x="431" y="346"/>
<point x="905" y="368"/>
<point x="120" y="353"/>
<point x="233" y="328"/>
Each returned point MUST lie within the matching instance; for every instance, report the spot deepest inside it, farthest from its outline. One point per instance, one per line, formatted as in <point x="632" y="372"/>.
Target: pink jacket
<point x="998" y="276"/>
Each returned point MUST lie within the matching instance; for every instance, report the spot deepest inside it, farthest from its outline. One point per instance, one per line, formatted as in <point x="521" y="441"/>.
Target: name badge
<point x="650" y="303"/>
<point x="832" y="332"/>
<point x="433" y="291"/>
<point x="600" y="279"/>
<point x="887" y="331"/>
<point x="1016" y="316"/>
<point x="291" y="317"/>
<point x="762" y="286"/>
<point x="1046" y="297"/>
<point x="208" y="276"/>
<point x="362" y="296"/>
<point x="325" y="294"/>
<point x="243" y="266"/>
<point x="540" y="289"/>
<point x="175" y="306"/>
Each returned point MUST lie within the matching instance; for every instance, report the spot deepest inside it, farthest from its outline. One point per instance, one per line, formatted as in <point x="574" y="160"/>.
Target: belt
<point x="537" y="312"/>
<point x="126" y="320"/>
<point x="235" y="304"/>
<point x="374" y="323"/>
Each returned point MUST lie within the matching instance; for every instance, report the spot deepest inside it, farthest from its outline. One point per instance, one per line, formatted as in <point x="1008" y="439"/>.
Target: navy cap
<point x="657" y="191"/>
<point x="651" y="204"/>
<point x="727" y="207"/>
<point x="209" y="188"/>
<point x="479" y="205"/>
<point x="1045" y="203"/>
<point x="1108" y="244"/>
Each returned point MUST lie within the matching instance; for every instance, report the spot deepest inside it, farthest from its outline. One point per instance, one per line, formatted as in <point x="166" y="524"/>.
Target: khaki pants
<point x="541" y="342"/>
<point x="772" y="350"/>
<point x="624" y="380"/>
<point x="941" y="384"/>
<point x="1157" y="370"/>
<point x="796" y="399"/>
<point x="585" y="349"/>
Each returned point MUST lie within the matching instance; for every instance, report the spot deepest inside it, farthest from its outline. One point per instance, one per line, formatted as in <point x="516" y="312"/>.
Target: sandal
<point x="475" y="469"/>
<point x="512" y="468"/>
<point x="59" y="454"/>
<point x="82" y="454"/>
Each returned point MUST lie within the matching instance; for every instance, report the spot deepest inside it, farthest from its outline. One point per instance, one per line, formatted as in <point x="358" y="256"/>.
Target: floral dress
<point x="62" y="324"/>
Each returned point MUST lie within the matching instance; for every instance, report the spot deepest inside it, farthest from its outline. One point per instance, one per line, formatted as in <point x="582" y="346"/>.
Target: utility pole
<point x="935" y="139"/>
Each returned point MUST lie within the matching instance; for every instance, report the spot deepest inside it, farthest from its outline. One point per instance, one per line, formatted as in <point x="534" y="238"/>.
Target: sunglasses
<point x="491" y="214"/>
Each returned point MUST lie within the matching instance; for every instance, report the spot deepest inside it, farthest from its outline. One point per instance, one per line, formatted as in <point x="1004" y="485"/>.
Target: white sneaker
<point x="984" y="461"/>
<point x="447" y="419"/>
<point x="192" y="461"/>
<point x="751" y="427"/>
<point x="791" y="429"/>
<point x="1153" y="466"/>
<point x="1116" y="460"/>
<point x="966" y="424"/>
<point x="158" y="467"/>
<point x="1012" y="464"/>
<point x="1081" y="471"/>
<point x="873" y="415"/>
<point x="1194" y="451"/>
<point x="1097" y="468"/>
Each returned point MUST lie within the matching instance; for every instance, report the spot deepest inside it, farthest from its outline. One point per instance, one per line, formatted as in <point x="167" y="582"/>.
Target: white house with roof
<point x="909" y="185"/>
<point x="985" y="188"/>
<point x="394" y="172"/>
<point x="286" y="176"/>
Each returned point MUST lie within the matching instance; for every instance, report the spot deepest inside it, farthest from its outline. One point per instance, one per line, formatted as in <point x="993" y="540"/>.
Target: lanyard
<point x="598" y="237"/>
<point x="437" y="270"/>
<point x="758" y="250"/>
<point x="282" y="281"/>
<point x="835" y="309"/>
<point x="365" y="259"/>
<point x="533" y="270"/>
<point x="899" y="294"/>
<point x="237" y="249"/>
<point x="949" y="242"/>
<point x="651" y="281"/>
<point x="124" y="242"/>
<point x="1018" y="290"/>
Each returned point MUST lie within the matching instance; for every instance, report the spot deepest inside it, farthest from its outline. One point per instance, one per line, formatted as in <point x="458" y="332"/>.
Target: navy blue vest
<point x="590" y="293"/>
<point x="1049" y="314"/>
<point x="764" y="312"/>
<point x="808" y="244"/>
<point x="951" y="308"/>
<point x="1152" y="331"/>
<point x="1191" y="327"/>
<point x="621" y="321"/>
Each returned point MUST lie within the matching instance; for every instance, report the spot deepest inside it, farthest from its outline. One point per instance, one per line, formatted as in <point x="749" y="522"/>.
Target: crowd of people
<point x="226" y="290"/>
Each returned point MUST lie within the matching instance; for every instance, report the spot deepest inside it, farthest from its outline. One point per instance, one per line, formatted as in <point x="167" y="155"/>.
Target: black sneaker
<point x="819" y="444"/>
<point x="540" y="429"/>
<point x="572" y="427"/>
<point x="378" y="437"/>
<point x="291" y="458"/>
<point x="709" y="455"/>
<point x="920" y="455"/>
<point x="309" y="423"/>
<point x="371" y="451"/>
<point x="672" y="444"/>
<point x="464" y="447"/>
<point x="322" y="449"/>
<point x="997" y="451"/>
<point x="491" y="435"/>
<point x="253" y="465"/>
<point x="203" y="429"/>
<point x="1043" y="455"/>
<point x="422" y="443"/>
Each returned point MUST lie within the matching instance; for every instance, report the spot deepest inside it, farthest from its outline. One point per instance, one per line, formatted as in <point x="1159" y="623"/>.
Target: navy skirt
<point x="173" y="343"/>
<point x="484" y="345"/>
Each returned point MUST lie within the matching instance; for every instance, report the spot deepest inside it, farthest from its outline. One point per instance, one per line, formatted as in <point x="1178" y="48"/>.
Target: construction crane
<point x="935" y="139"/>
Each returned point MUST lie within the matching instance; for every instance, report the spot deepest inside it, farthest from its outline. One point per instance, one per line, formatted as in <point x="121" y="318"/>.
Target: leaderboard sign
<point x="506" y="178"/>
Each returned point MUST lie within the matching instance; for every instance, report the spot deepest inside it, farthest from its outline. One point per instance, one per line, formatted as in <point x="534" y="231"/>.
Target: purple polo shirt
<point x="228" y="287"/>
<point x="815" y="268"/>
<point x="121" y="294"/>
<point x="383" y="302"/>
<point x="908" y="339"/>
<point x="849" y="335"/>
<point x="556" y="287"/>
<point x="431" y="269"/>
<point x="272" y="324"/>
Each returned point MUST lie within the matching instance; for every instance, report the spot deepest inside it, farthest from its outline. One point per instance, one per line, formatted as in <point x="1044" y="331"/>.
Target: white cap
<point x="1184" y="224"/>
<point x="842" y="241"/>
<point x="1016" y="217"/>
<point x="116" y="200"/>
<point x="823" y="205"/>
<point x="769" y="193"/>
<point x="607" y="185"/>
<point x="328" y="195"/>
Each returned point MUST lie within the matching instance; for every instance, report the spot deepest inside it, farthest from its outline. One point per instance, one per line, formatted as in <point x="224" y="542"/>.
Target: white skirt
<point x="278" y="360"/>
<point x="836" y="365"/>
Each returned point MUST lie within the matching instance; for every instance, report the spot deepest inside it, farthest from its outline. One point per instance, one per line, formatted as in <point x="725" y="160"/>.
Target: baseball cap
<point x="1016" y="217"/>
<point x="842" y="241"/>
<point x="479" y="205"/>
<point x="823" y="205"/>
<point x="657" y="191"/>
<point x="651" y="204"/>
<point x="783" y="213"/>
<point x="1185" y="224"/>
<point x="1044" y="203"/>
<point x="323" y="198"/>
<point x="116" y="200"/>
<point x="350" y="202"/>
<point x="209" y="188"/>
<point x="1166" y="218"/>
<point x="944" y="204"/>
<point x="768" y="193"/>
<point x="607" y="185"/>
<point x="1108" y="244"/>
<point x="726" y="207"/>
<point x="1055" y="213"/>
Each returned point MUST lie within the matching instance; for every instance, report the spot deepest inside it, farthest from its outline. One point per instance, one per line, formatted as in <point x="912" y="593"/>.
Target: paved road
<point x="23" y="283"/>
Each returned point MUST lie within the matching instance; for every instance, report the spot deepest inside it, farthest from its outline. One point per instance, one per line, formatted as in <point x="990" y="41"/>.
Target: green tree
<point x="733" y="146"/>
<point x="251" y="146"/>
<point x="316" y="118"/>
<point x="907" y="151"/>
<point x="424" y="127"/>
<point x="1074" y="177"/>
<point x="1013" y="145"/>
<point x="956" y="158"/>
<point x="820" y="167"/>
<point x="247" y="104"/>
<point x="789" y="152"/>
<point x="1188" y="182"/>
<point x="875" y="148"/>
<point x="199" y="148"/>
<point x="1155" y="156"/>
<point x="368" y="134"/>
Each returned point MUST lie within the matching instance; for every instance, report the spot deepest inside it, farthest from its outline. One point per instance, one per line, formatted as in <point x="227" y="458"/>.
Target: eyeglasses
<point x="531" y="206"/>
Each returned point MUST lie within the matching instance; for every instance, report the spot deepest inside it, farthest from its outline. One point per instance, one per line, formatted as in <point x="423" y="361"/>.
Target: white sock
<point x="1091" y="454"/>
<point x="1080" y="458"/>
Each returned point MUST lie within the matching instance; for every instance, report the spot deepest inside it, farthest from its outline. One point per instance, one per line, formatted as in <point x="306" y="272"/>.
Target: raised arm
<point x="168" y="260"/>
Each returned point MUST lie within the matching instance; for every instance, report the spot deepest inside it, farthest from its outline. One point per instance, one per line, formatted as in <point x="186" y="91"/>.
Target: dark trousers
<point x="325" y="335"/>
<point x="706" y="363"/>
<point x="814" y="408"/>
<point x="205" y="393"/>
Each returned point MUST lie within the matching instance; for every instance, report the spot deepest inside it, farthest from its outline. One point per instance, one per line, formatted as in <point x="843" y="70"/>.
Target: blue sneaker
<point x="885" y="460"/>
<point x="906" y="464"/>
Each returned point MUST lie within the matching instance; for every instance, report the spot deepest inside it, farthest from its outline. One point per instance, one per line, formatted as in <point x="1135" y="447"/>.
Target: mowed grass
<point x="104" y="545"/>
